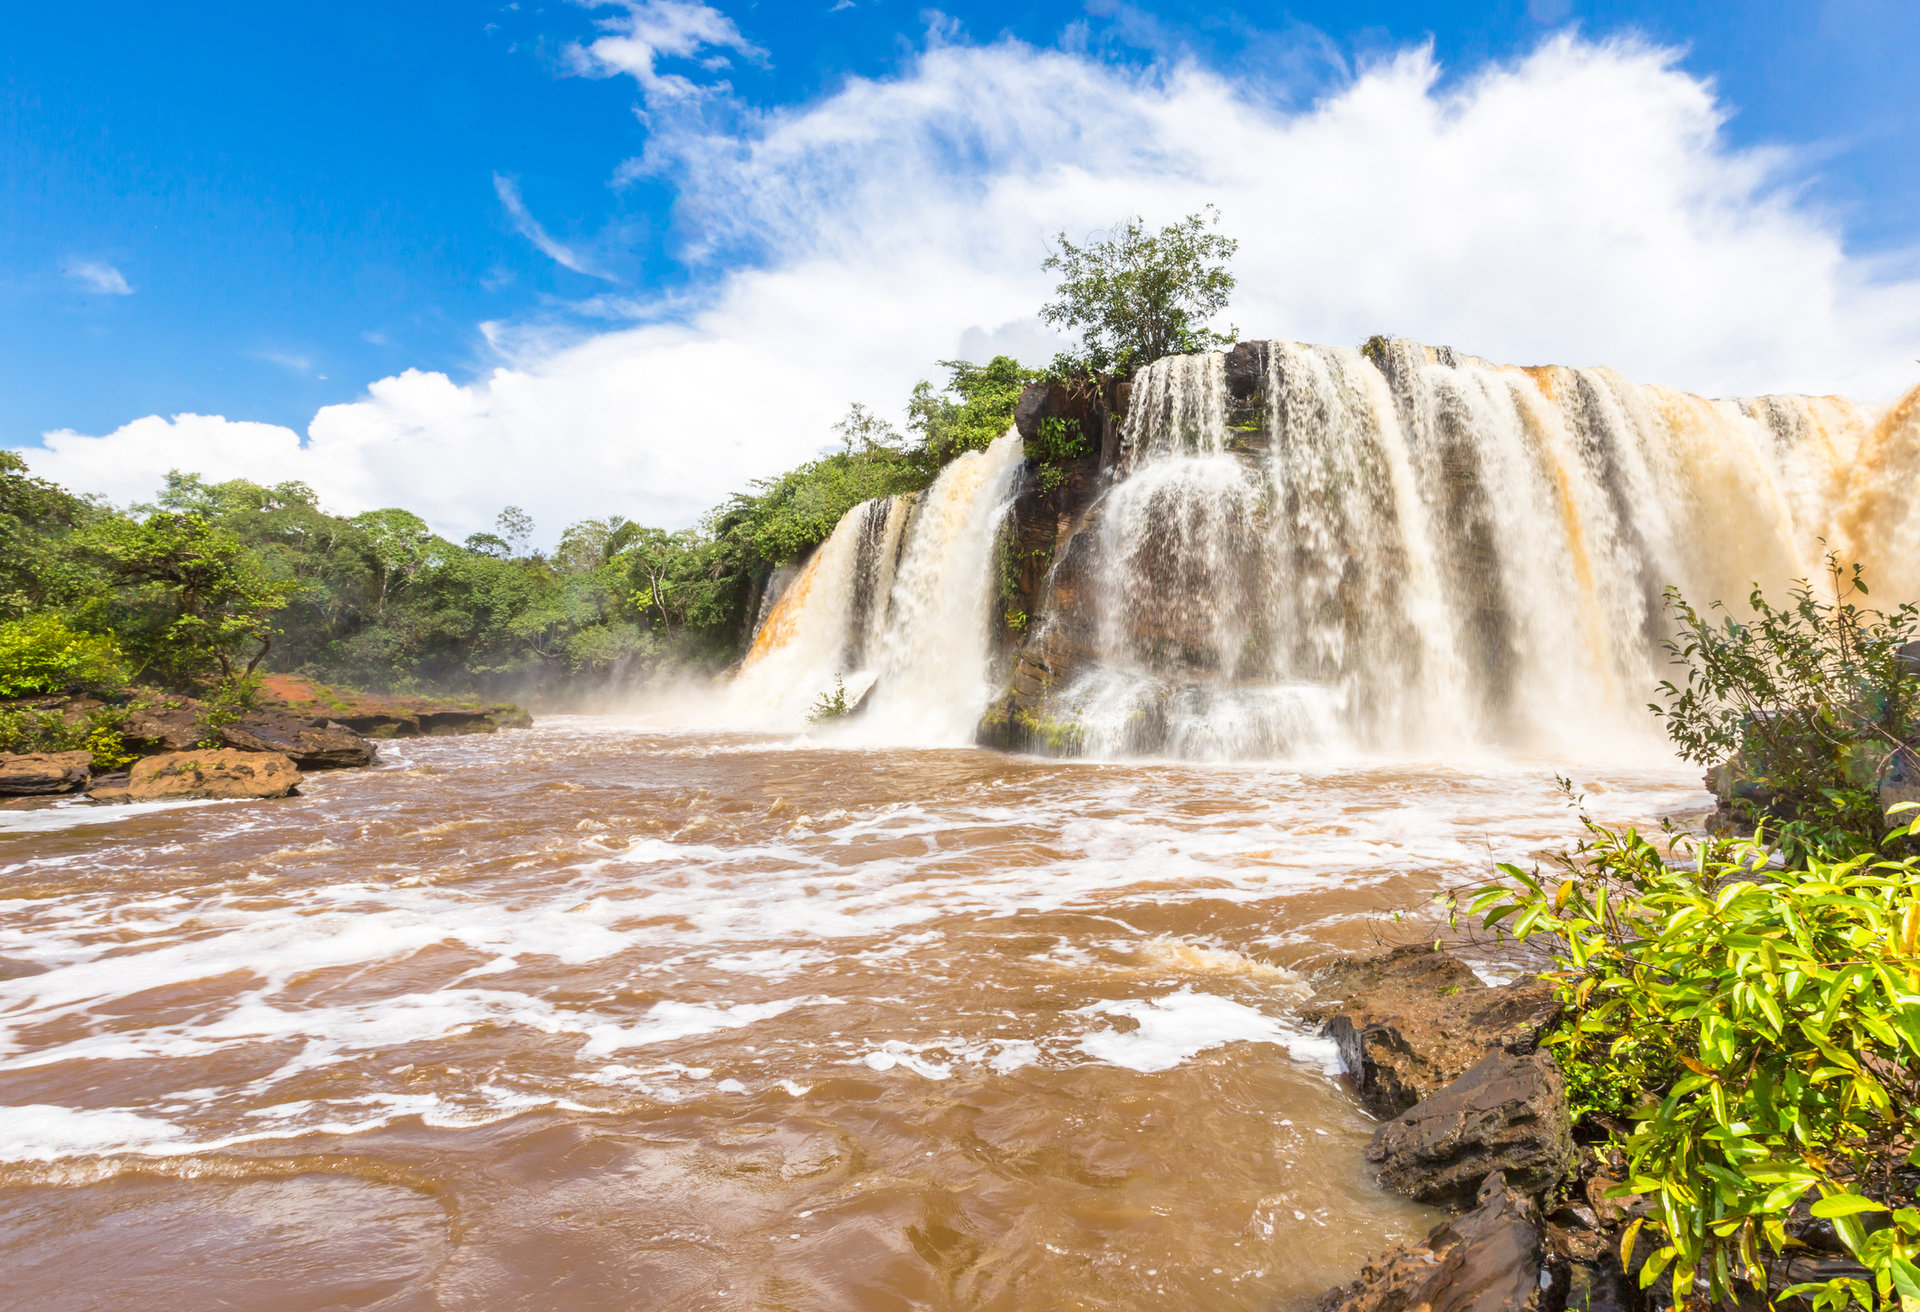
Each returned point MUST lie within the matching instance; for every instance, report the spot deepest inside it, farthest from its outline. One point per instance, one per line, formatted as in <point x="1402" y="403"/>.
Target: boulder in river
<point x="40" y="774"/>
<point x="1486" y="1261"/>
<point x="1410" y="1021"/>
<point x="1506" y="1113"/>
<point x="224" y="773"/>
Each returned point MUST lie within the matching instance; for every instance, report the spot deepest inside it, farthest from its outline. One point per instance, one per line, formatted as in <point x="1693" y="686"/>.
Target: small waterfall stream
<point x="896" y="601"/>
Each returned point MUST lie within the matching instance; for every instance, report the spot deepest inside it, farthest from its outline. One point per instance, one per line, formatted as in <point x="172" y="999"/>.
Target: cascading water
<point x="803" y="644"/>
<point x="1304" y="547"/>
<point x="895" y="601"/>
<point x="1419" y="550"/>
<point x="934" y="651"/>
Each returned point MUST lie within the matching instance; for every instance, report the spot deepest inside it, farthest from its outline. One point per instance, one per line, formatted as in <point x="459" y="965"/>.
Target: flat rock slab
<point x="1486" y="1261"/>
<point x="1410" y="1021"/>
<point x="322" y="746"/>
<point x="1506" y="1113"/>
<point x="39" y="774"/>
<point x="177" y="776"/>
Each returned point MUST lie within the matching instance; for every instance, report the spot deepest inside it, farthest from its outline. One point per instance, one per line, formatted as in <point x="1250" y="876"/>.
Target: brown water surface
<point x="599" y="1016"/>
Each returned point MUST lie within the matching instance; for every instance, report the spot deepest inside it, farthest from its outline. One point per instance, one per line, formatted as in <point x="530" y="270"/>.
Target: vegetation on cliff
<point x="1135" y="296"/>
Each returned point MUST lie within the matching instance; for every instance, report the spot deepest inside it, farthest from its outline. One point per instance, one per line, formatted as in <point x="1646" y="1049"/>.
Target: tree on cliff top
<point x="1136" y="296"/>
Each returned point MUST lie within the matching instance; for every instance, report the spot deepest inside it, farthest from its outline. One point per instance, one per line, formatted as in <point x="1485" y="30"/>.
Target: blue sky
<point x="253" y="212"/>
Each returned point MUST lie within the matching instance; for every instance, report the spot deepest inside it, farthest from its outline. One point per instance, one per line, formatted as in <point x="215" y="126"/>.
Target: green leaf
<point x="1655" y="1265"/>
<point x="1906" y="1277"/>
<point x="1844" y="1205"/>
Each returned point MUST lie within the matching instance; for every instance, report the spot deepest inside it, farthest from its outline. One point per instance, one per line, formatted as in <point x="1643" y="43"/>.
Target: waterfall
<point x="893" y="607"/>
<point x="932" y="673"/>
<point x="802" y="646"/>
<point x="1306" y="548"/>
<point x="1420" y="550"/>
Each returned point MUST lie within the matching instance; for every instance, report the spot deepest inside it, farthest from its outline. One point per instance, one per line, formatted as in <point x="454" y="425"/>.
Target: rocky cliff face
<point x="1053" y="561"/>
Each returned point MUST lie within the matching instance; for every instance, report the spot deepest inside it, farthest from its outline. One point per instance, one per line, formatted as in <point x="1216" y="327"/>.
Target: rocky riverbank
<point x="1475" y="1118"/>
<point x="171" y="746"/>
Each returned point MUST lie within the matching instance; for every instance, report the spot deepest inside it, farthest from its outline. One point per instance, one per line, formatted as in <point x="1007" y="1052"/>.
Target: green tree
<point x="591" y="543"/>
<point x="516" y="529"/>
<point x="200" y="599"/>
<point x="865" y="432"/>
<point x="489" y="544"/>
<point x="399" y="548"/>
<point x="974" y="408"/>
<point x="1136" y="296"/>
<point x="37" y="521"/>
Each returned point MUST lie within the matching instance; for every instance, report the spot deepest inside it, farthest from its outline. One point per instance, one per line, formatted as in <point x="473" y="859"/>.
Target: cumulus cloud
<point x="100" y="279"/>
<point x="131" y="462"/>
<point x="1578" y="205"/>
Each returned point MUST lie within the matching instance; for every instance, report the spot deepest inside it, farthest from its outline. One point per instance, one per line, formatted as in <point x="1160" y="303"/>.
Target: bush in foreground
<point x="1746" y="1038"/>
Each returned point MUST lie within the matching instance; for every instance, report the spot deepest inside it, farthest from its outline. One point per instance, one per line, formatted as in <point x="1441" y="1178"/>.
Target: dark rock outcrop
<point x="179" y="724"/>
<point x="311" y="745"/>
<point x="158" y="723"/>
<point x="1486" y="1261"/>
<point x="225" y="773"/>
<point x="1507" y="1113"/>
<point x="1411" y="1021"/>
<point x="44" y="774"/>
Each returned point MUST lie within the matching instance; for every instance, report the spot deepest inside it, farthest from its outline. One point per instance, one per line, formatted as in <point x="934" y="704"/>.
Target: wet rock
<point x="175" y="776"/>
<point x="1486" y="1261"/>
<point x="1506" y="1113"/>
<point x="310" y="744"/>
<point x="157" y="723"/>
<point x="40" y="774"/>
<point x="111" y="787"/>
<point x="1410" y="1021"/>
<point x="1598" y="1286"/>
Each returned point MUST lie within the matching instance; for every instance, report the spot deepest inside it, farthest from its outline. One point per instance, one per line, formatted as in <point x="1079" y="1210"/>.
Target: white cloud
<point x="523" y="221"/>
<point x="98" y="278"/>
<point x="1578" y="205"/>
<point x="297" y="364"/>
<point x="131" y="463"/>
<point x="650" y="30"/>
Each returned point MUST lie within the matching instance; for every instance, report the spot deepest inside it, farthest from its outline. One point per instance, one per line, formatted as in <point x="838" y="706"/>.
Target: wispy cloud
<point x="97" y="277"/>
<point x="298" y="364"/>
<point x="529" y="227"/>
<point x="652" y="30"/>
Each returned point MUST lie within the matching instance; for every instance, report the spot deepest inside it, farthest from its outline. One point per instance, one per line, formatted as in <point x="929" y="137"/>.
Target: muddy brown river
<point x="600" y="1015"/>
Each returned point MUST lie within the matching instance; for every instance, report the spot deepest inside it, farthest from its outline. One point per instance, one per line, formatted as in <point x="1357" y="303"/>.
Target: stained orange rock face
<point x="178" y="776"/>
<point x="37" y="773"/>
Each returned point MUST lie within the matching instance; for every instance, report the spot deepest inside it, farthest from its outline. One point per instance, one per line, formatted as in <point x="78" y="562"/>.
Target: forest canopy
<point x="211" y="583"/>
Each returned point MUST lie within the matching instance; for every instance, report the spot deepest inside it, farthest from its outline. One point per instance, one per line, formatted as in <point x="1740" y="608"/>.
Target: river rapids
<point x="708" y="1006"/>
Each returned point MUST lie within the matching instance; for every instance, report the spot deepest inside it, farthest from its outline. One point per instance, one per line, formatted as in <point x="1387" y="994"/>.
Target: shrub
<point x="1805" y="704"/>
<point x="41" y="655"/>
<point x="831" y="705"/>
<point x="1747" y="1037"/>
<point x="50" y="731"/>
